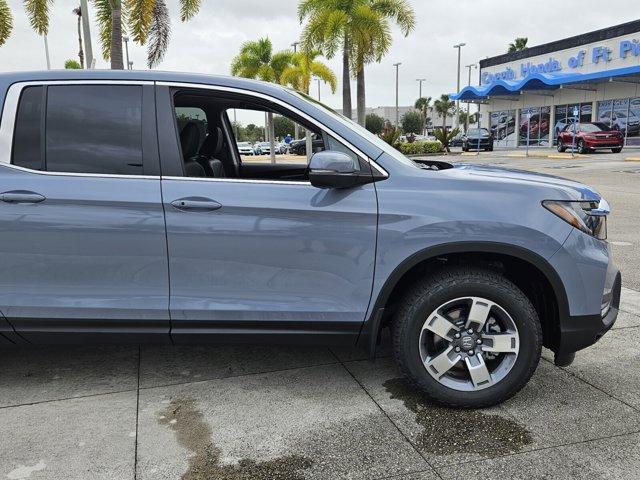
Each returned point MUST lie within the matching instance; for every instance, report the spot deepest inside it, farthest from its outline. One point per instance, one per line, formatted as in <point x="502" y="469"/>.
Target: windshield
<point x="594" y="127"/>
<point x="360" y="130"/>
<point x="476" y="131"/>
<point x="244" y="144"/>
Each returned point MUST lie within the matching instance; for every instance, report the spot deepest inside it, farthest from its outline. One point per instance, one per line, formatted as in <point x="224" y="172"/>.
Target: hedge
<point x="422" y="146"/>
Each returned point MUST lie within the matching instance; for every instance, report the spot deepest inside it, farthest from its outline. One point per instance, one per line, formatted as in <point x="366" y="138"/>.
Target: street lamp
<point x="130" y="65"/>
<point x="126" y="48"/>
<point x="295" y="46"/>
<point x="397" y="109"/>
<point x="459" y="47"/>
<point x="318" y="80"/>
<point x="469" y="67"/>
<point x="420" y="80"/>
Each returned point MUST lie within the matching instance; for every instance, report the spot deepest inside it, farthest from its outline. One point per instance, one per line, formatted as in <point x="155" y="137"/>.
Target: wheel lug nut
<point x="479" y="341"/>
<point x="470" y="331"/>
<point x="471" y="352"/>
<point x="457" y="349"/>
<point x="457" y="335"/>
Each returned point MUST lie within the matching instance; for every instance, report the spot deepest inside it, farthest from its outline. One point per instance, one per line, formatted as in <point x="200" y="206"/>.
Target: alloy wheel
<point x="469" y="343"/>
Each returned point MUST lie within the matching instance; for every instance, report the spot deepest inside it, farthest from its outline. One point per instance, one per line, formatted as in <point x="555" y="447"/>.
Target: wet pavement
<point x="293" y="413"/>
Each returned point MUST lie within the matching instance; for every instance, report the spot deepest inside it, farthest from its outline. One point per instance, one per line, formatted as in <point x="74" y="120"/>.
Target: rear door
<point x="82" y="238"/>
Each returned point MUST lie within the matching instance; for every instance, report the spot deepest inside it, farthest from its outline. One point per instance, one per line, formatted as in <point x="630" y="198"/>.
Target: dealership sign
<point x="598" y="55"/>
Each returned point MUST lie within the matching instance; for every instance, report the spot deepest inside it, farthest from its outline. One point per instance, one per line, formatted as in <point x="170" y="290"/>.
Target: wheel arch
<point x="513" y="254"/>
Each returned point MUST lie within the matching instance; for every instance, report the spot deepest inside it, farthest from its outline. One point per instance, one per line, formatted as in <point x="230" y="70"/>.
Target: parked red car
<point x="590" y="136"/>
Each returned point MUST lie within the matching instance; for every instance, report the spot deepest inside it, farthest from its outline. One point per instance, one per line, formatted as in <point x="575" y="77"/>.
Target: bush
<point x="374" y="123"/>
<point x="416" y="148"/>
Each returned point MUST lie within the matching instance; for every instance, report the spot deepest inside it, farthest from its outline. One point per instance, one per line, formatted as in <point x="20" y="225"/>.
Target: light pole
<point x="126" y="49"/>
<point x="469" y="67"/>
<point x="130" y="64"/>
<point x="46" y="52"/>
<point x="459" y="47"/>
<point x="295" y="46"/>
<point x="318" y="80"/>
<point x="397" y="108"/>
<point x="420" y="80"/>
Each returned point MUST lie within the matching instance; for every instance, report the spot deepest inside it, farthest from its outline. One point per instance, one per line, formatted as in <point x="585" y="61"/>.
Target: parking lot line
<point x="632" y="159"/>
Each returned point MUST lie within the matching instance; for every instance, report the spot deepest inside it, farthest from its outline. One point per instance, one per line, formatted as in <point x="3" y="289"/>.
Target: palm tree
<point x="444" y="107"/>
<point x="423" y="104"/>
<point x="257" y="60"/>
<point x="330" y="27"/>
<point x="372" y="39"/>
<point x="360" y="28"/>
<point x="518" y="44"/>
<point x="303" y="66"/>
<point x="6" y="21"/>
<point x="147" y="20"/>
<point x="78" y="12"/>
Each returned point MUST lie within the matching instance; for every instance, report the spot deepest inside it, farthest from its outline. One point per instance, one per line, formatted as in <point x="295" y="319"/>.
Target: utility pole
<point x="469" y="67"/>
<point x="86" y="30"/>
<point x="459" y="47"/>
<point x="420" y="80"/>
<point x="397" y="108"/>
<point x="318" y="80"/>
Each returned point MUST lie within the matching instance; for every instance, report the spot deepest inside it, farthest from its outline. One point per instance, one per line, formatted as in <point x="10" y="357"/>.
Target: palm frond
<point x="324" y="73"/>
<point x="6" y="22"/>
<point x="189" y="9"/>
<point x="38" y="14"/>
<point x="139" y="18"/>
<point x="159" y="34"/>
<point x="103" y="18"/>
<point x="280" y="61"/>
<point x="399" y="11"/>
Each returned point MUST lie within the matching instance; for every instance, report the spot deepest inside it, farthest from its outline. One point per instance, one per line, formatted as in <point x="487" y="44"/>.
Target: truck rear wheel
<point x="467" y="337"/>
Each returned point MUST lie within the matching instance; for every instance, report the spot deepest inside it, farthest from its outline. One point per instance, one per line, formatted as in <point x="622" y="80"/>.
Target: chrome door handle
<point x="21" y="196"/>
<point x="196" y="204"/>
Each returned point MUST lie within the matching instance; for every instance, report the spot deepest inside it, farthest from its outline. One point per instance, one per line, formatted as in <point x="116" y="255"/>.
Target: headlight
<point x="588" y="216"/>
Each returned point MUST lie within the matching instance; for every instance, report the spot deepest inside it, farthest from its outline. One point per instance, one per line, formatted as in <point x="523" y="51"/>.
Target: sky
<point x="208" y="43"/>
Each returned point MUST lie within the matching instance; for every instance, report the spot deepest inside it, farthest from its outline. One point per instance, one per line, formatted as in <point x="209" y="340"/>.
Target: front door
<point x="264" y="257"/>
<point x="82" y="237"/>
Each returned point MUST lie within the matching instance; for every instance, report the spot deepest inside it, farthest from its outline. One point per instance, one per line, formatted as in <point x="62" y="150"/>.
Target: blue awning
<point x="539" y="81"/>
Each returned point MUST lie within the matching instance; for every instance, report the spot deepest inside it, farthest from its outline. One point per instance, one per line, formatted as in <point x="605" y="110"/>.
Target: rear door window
<point x="94" y="129"/>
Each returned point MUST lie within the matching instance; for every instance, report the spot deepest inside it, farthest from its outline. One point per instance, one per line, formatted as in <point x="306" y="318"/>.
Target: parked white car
<point x="245" y="148"/>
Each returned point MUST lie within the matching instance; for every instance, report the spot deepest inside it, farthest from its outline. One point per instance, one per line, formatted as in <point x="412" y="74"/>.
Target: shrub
<point x="422" y="146"/>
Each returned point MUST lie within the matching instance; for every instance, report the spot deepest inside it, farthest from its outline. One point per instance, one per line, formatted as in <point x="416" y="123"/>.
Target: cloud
<point x="209" y="42"/>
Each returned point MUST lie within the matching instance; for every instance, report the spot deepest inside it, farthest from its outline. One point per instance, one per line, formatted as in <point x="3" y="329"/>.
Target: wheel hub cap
<point x="469" y="343"/>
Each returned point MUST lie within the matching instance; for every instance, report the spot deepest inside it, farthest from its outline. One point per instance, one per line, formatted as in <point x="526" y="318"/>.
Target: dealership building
<point x="530" y="95"/>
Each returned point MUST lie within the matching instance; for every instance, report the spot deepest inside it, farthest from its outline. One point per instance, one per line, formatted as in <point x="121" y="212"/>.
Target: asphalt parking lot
<point x="292" y="413"/>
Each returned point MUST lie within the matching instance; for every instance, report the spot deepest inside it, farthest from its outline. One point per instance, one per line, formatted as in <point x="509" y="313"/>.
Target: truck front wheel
<point x="467" y="337"/>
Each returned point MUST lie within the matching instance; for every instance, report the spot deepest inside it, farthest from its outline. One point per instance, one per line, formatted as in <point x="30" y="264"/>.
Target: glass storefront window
<point x="564" y="116"/>
<point x="534" y="126"/>
<point x="503" y="127"/>
<point x="623" y="115"/>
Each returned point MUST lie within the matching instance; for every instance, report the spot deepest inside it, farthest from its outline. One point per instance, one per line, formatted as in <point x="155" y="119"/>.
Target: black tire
<point x="616" y="150"/>
<point x="582" y="149"/>
<point x="561" y="147"/>
<point x="446" y="285"/>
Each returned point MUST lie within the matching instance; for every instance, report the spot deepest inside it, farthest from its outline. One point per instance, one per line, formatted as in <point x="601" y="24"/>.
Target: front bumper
<point x="578" y="332"/>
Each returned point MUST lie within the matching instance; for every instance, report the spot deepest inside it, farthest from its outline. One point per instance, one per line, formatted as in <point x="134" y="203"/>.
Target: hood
<point x="571" y="189"/>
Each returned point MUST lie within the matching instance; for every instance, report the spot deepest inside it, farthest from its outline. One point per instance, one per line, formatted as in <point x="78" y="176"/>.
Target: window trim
<point x="8" y="120"/>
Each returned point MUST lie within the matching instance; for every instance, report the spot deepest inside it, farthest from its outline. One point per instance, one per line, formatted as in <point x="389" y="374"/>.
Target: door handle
<point x="196" y="204"/>
<point x="21" y="196"/>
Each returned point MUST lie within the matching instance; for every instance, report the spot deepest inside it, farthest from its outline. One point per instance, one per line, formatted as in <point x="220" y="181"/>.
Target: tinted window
<point x="94" y="129"/>
<point x="26" y="140"/>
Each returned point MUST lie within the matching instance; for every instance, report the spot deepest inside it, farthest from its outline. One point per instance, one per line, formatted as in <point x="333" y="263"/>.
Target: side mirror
<point x="333" y="169"/>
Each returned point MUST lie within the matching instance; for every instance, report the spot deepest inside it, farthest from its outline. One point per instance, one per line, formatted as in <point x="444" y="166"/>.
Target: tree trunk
<point x="116" y="39"/>
<point x="80" y="51"/>
<point x="346" y="81"/>
<point x="361" y="99"/>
